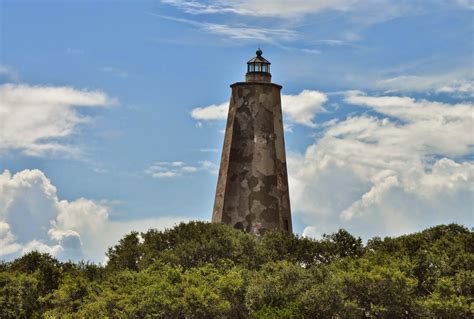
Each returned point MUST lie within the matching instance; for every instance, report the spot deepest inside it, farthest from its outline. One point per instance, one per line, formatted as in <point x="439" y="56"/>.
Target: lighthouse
<point x="252" y="187"/>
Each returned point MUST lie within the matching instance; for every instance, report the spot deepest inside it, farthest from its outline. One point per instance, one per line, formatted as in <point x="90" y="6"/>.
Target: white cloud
<point x="459" y="83"/>
<point x="8" y="244"/>
<point x="249" y="33"/>
<point x="237" y="32"/>
<point x="36" y="245"/>
<point x="209" y="166"/>
<point x="280" y="8"/>
<point x="178" y="168"/>
<point x="355" y="15"/>
<point x="401" y="171"/>
<point x="189" y="169"/>
<point x="429" y="127"/>
<point x="300" y="108"/>
<point x="311" y="232"/>
<point x="211" y="112"/>
<point x="311" y="51"/>
<point x="37" y="119"/>
<point x="165" y="174"/>
<point x="32" y="217"/>
<point x="209" y="150"/>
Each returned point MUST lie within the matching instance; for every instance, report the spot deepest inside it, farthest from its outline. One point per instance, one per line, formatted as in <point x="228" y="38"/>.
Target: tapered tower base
<point x="252" y="190"/>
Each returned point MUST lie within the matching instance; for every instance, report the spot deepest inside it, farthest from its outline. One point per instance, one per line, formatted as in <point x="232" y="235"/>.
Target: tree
<point x="342" y="244"/>
<point x="18" y="296"/>
<point x="202" y="270"/>
<point x="275" y="290"/>
<point x="125" y="255"/>
<point x="446" y="300"/>
<point x="45" y="268"/>
<point x="197" y="243"/>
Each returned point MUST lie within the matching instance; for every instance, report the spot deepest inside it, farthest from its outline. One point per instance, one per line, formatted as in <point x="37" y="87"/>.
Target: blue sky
<point x="111" y="114"/>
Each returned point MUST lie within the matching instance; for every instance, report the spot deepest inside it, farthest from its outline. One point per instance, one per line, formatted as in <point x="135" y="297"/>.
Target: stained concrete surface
<point x="252" y="190"/>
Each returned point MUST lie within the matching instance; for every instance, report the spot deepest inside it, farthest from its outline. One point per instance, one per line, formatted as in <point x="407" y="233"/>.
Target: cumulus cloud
<point x="303" y="107"/>
<point x="211" y="112"/>
<point x="8" y="244"/>
<point x="37" y="119"/>
<point x="299" y="109"/>
<point x="400" y="170"/>
<point x="311" y="232"/>
<point x="429" y="128"/>
<point x="32" y="217"/>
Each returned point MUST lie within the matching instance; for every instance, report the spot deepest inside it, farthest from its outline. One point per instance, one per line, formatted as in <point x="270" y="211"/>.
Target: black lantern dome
<point x="258" y="64"/>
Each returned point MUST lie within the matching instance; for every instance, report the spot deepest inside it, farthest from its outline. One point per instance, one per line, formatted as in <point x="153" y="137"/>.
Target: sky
<point x="112" y="114"/>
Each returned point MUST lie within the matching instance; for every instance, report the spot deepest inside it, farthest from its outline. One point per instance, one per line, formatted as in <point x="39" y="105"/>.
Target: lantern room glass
<point x="258" y="67"/>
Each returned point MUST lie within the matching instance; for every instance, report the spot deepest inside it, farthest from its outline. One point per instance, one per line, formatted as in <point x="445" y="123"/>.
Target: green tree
<point x="342" y="244"/>
<point x="69" y="298"/>
<point x="275" y="290"/>
<point x="446" y="301"/>
<point x="45" y="268"/>
<point x="197" y="243"/>
<point x="127" y="254"/>
<point x="325" y="297"/>
<point x="202" y="270"/>
<point x="381" y="291"/>
<point x="18" y="296"/>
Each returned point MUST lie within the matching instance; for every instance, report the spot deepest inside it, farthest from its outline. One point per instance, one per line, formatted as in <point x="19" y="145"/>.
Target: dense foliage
<point x="200" y="270"/>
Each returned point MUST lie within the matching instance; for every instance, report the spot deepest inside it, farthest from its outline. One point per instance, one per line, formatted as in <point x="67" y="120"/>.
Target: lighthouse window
<point x="258" y="67"/>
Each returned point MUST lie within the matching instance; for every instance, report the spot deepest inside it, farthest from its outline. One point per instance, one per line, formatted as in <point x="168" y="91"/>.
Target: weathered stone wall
<point x="252" y="190"/>
<point x="258" y="77"/>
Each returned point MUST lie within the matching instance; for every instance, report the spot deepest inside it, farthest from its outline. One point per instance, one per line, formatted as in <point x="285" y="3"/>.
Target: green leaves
<point x="127" y="254"/>
<point x="18" y="296"/>
<point x="274" y="290"/>
<point x="201" y="270"/>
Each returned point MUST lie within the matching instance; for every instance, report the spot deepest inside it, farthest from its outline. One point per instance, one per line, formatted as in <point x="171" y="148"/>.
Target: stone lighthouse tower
<point x="252" y="189"/>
